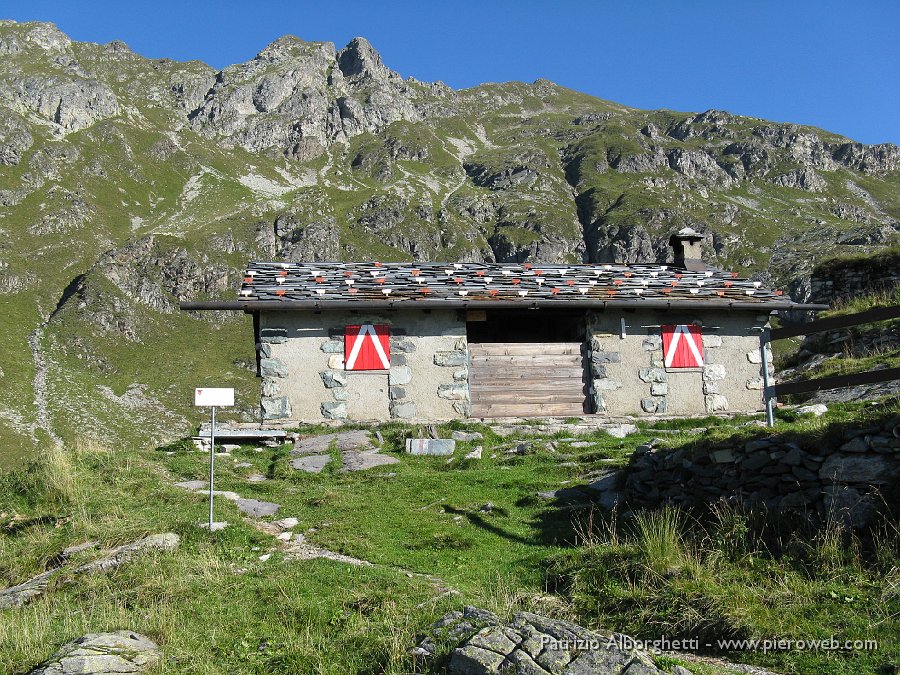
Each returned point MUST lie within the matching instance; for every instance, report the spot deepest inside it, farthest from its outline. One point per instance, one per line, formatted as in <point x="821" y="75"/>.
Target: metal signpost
<point x="212" y="398"/>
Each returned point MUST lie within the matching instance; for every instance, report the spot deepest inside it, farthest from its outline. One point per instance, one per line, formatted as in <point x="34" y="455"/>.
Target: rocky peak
<point x="46" y="36"/>
<point x="117" y="47"/>
<point x="359" y="62"/>
<point x="17" y="37"/>
<point x="290" y="47"/>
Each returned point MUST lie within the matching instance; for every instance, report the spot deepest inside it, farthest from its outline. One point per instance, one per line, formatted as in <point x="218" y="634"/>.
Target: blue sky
<point x="833" y="64"/>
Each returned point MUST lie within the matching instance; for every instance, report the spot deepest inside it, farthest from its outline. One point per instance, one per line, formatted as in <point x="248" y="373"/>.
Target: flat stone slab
<point x="621" y="430"/>
<point x="311" y="463"/>
<point x="69" y="551"/>
<point x="256" y="508"/>
<point x="360" y="461"/>
<point x="192" y="484"/>
<point x="817" y="409"/>
<point x="313" y="446"/>
<point x="604" y="483"/>
<point x="438" y="447"/>
<point x="103" y="654"/>
<point x="355" y="439"/>
<point x="532" y="644"/>
<point x="466" y="436"/>
<point x="256" y="478"/>
<point x="227" y="494"/>
<point x="300" y="549"/>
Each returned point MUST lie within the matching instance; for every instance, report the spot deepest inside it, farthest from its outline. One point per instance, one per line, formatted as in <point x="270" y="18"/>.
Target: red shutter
<point x="682" y="346"/>
<point x="367" y="347"/>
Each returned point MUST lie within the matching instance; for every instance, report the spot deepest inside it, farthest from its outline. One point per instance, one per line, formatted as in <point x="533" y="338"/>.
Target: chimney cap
<point x="686" y="233"/>
<point x="686" y="249"/>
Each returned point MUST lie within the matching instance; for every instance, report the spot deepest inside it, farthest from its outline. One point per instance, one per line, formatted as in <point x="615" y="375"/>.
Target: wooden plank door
<point x="527" y="379"/>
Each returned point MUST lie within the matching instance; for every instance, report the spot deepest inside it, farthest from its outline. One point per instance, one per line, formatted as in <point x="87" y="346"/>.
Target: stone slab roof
<point x="360" y="283"/>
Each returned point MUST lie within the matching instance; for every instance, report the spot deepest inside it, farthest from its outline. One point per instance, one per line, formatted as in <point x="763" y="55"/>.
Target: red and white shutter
<point x="367" y="347"/>
<point x="682" y="346"/>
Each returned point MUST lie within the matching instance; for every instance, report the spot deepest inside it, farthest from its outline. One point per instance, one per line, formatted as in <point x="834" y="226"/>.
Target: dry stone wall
<point x="854" y="277"/>
<point x="845" y="476"/>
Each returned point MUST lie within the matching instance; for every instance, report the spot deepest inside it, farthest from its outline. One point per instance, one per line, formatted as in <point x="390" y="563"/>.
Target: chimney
<point x="687" y="250"/>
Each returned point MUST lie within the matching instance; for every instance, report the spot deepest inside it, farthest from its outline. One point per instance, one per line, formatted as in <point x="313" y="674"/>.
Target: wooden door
<point x="527" y="379"/>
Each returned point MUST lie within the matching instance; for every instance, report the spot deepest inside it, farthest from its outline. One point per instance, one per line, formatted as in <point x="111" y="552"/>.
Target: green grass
<point x="859" y="353"/>
<point x="213" y="603"/>
<point x="861" y="303"/>
<point x="214" y="606"/>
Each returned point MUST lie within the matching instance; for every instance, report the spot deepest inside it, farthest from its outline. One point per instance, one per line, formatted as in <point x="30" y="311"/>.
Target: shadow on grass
<point x="16" y="526"/>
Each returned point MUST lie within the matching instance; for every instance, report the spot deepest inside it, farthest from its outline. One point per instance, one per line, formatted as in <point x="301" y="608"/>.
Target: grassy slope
<point x="214" y="606"/>
<point x="853" y="359"/>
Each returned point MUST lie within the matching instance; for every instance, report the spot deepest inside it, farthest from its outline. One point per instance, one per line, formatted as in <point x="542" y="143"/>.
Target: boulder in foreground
<point x="114" y="653"/>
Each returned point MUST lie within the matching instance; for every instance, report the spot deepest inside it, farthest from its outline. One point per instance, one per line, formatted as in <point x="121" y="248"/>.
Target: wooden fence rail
<point x="772" y="391"/>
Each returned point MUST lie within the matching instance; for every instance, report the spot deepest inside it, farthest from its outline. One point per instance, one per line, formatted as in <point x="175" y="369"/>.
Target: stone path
<point x="311" y="455"/>
<point x="295" y="547"/>
<point x="311" y="463"/>
<point x="252" y="507"/>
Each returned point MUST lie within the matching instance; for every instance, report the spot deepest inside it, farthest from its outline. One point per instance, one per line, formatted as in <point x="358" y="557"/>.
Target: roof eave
<point x="437" y="303"/>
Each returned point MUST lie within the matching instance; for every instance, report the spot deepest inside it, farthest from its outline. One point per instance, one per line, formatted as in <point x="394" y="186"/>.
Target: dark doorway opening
<point x="526" y="325"/>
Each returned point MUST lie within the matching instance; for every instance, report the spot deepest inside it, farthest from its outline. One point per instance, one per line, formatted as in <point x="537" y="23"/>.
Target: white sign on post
<point x="213" y="396"/>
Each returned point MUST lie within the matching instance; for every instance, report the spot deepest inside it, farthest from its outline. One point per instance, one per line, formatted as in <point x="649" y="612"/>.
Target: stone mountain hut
<point x="439" y="341"/>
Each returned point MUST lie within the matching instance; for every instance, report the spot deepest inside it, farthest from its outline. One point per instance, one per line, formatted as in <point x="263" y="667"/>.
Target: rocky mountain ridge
<point x="129" y="183"/>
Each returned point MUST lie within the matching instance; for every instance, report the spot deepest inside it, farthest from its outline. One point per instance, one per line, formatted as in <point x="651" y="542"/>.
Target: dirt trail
<point x="43" y="418"/>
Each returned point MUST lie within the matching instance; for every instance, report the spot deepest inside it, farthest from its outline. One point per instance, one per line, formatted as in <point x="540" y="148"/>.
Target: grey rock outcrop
<point x="114" y="653"/>
<point x="698" y="164"/>
<point x="803" y="179"/>
<point x="317" y="240"/>
<point x="158" y="274"/>
<point x="17" y="596"/>
<point x="14" y="137"/>
<point x="167" y="541"/>
<point x="22" y="594"/>
<point x="298" y="97"/>
<point x="73" y="104"/>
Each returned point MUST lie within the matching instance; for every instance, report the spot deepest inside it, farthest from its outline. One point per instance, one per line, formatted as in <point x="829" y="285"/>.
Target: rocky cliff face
<point x="148" y="180"/>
